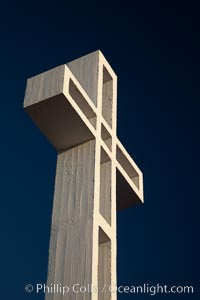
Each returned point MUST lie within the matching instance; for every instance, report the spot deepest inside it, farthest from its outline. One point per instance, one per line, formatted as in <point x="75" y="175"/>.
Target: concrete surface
<point x="74" y="106"/>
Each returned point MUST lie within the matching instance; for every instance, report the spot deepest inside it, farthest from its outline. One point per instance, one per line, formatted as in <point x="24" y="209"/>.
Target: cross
<point x="74" y="105"/>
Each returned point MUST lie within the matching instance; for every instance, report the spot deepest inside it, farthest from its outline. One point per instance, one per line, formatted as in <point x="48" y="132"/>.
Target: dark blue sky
<point x="154" y="50"/>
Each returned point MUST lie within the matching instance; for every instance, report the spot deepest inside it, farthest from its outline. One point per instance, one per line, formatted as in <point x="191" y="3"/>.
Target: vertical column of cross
<point x="113" y="97"/>
<point x="104" y="227"/>
<point x="97" y="188"/>
<point x="113" y="197"/>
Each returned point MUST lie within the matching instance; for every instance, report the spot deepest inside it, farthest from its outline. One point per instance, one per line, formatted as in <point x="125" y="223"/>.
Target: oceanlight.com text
<point x="77" y="288"/>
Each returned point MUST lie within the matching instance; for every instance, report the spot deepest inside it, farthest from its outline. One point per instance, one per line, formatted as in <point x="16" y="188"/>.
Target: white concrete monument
<point x="74" y="105"/>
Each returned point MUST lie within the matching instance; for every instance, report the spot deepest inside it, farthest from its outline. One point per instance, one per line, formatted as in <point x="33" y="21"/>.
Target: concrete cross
<point x="74" y="105"/>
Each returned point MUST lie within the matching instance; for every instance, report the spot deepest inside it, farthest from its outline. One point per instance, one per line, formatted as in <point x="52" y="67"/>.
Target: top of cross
<point x="77" y="102"/>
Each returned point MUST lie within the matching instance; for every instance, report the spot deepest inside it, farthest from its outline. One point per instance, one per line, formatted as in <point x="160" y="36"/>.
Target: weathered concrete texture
<point x="44" y="86"/>
<point x="86" y="69"/>
<point x="105" y="190"/>
<point x="104" y="271"/>
<point x="70" y="252"/>
<point x="107" y="98"/>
